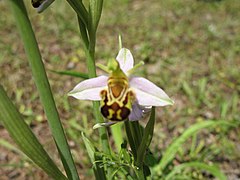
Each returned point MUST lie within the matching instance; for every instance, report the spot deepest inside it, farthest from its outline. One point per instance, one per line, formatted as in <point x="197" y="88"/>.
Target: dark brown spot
<point x="104" y="97"/>
<point x="124" y="113"/>
<point x="125" y="100"/>
<point x="104" y="111"/>
<point x="114" y="117"/>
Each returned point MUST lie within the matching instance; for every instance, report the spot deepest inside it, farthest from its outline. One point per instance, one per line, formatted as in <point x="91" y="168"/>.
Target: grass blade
<point x="41" y="80"/>
<point x="177" y="143"/>
<point x="71" y="73"/>
<point x="80" y="9"/>
<point x="215" y="171"/>
<point x="98" y="171"/>
<point x="24" y="138"/>
<point x="130" y="138"/>
<point x="95" y="11"/>
<point x="146" y="139"/>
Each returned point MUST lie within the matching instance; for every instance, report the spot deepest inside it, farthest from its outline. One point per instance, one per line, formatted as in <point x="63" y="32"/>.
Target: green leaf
<point x="71" y="73"/>
<point x="215" y="171"/>
<point x="95" y="11"/>
<point x="83" y="33"/>
<point x="24" y="138"/>
<point x="95" y="159"/>
<point x="80" y="9"/>
<point x="41" y="81"/>
<point x="150" y="160"/>
<point x="171" y="151"/>
<point x="146" y="139"/>
<point x="130" y="138"/>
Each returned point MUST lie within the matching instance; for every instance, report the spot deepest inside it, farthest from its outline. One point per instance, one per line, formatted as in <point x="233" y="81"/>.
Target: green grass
<point x="190" y="48"/>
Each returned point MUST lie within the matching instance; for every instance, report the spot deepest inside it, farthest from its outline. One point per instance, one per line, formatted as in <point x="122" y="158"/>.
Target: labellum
<point x="117" y="98"/>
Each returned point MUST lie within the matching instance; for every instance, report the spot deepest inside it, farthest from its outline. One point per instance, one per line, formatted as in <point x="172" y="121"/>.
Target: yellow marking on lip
<point x="119" y="114"/>
<point x="111" y="112"/>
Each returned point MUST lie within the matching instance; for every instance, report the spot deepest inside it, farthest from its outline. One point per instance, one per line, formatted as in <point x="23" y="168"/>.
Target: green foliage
<point x="24" y="138"/>
<point x="185" y="46"/>
<point x="215" y="171"/>
<point x="71" y="73"/>
<point x="41" y="80"/>
<point x="171" y="151"/>
<point x="117" y="135"/>
<point x="146" y="139"/>
<point x="95" y="11"/>
<point x="95" y="159"/>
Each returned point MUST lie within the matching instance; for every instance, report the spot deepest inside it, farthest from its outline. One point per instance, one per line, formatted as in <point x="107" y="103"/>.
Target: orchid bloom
<point x="122" y="95"/>
<point x="41" y="5"/>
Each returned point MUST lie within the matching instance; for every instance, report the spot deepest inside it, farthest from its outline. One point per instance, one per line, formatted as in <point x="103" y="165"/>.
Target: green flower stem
<point x="117" y="135"/>
<point x="24" y="138"/>
<point x="41" y="80"/>
<point x="89" y="47"/>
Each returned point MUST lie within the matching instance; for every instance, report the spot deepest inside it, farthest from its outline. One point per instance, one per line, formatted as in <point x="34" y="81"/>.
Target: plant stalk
<point x="41" y="81"/>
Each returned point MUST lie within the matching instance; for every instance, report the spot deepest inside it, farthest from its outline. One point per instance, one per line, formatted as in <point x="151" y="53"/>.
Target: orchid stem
<point x="89" y="47"/>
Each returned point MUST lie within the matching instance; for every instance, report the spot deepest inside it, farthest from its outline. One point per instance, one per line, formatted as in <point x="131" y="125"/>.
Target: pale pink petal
<point x="89" y="89"/>
<point x="148" y="94"/>
<point x="138" y="112"/>
<point x="125" y="59"/>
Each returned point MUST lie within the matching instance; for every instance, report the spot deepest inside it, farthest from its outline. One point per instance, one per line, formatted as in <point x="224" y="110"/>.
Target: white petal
<point x="89" y="89"/>
<point x="148" y="94"/>
<point x="138" y="112"/>
<point x="125" y="59"/>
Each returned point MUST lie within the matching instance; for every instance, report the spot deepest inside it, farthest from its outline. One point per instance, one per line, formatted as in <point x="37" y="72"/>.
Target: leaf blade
<point x="173" y="148"/>
<point x="43" y="86"/>
<point x="215" y="171"/>
<point x="71" y="73"/>
<point x="146" y="139"/>
<point x="24" y="138"/>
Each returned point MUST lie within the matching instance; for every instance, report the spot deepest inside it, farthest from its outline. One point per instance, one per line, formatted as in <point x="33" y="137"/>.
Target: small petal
<point x="125" y="59"/>
<point x="148" y="94"/>
<point x="138" y="112"/>
<point x="89" y="89"/>
<point x="107" y="124"/>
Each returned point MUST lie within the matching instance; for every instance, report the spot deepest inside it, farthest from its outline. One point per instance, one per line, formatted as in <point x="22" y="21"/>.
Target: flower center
<point x="117" y="98"/>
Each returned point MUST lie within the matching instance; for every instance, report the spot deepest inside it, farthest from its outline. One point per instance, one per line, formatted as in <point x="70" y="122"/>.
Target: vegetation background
<point x="191" y="48"/>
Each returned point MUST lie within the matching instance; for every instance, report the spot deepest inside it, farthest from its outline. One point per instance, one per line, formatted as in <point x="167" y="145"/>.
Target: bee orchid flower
<point x="122" y="96"/>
